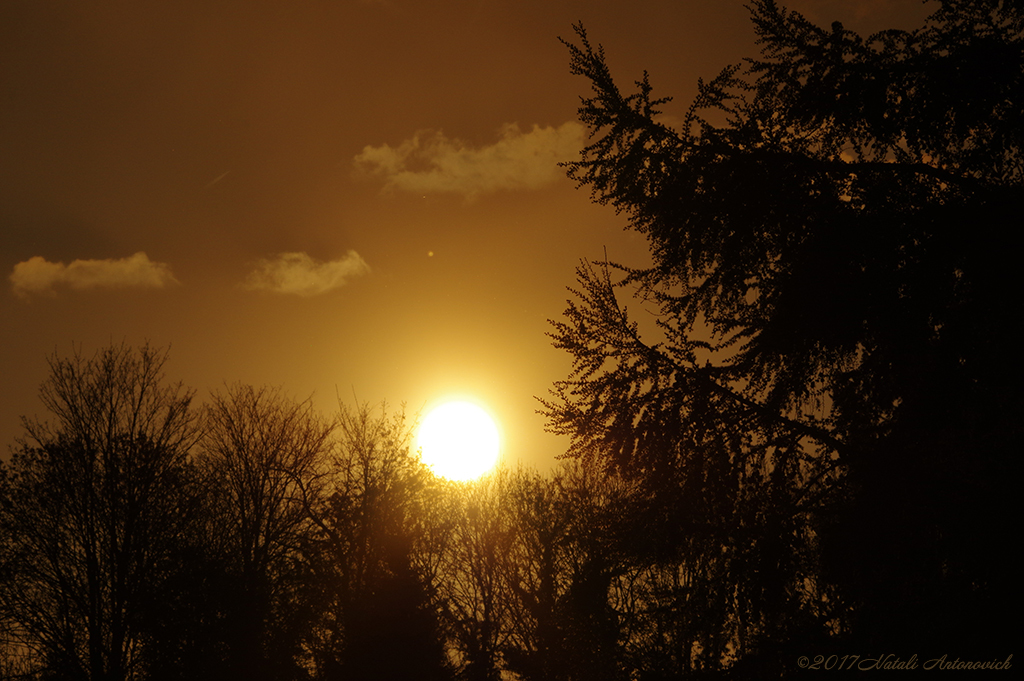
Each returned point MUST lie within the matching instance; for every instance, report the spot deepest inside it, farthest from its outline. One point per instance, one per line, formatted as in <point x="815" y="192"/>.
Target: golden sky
<point x="339" y="197"/>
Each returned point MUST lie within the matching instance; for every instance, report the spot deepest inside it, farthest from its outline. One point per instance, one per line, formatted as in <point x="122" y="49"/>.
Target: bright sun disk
<point x="459" y="441"/>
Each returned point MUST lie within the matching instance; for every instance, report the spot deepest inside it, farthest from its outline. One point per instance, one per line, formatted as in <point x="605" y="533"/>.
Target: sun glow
<point x="459" y="441"/>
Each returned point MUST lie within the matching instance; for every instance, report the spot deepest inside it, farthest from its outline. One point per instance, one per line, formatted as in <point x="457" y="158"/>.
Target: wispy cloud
<point x="40" y="276"/>
<point x="431" y="162"/>
<point x="301" y="275"/>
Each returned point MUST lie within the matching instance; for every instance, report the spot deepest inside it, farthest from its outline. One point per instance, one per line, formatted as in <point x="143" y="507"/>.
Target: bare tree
<point x="565" y="571"/>
<point x="377" y="555"/>
<point x="263" y="455"/>
<point x="94" y="507"/>
<point x="474" y="588"/>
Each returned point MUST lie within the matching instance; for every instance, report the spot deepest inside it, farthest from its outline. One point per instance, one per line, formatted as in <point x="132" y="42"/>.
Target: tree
<point x="563" y="572"/>
<point x="264" y="456"/>
<point x="376" y="556"/>
<point x="826" y="410"/>
<point x="474" y="592"/>
<point x="95" y="508"/>
<point x="535" y="572"/>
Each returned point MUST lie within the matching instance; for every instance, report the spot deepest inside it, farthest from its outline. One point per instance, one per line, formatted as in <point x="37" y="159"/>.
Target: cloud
<point x="301" y="275"/>
<point x="431" y="162"/>
<point x="40" y="276"/>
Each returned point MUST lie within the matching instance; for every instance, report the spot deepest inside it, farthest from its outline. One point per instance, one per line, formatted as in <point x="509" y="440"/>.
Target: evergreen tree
<point x="824" y="418"/>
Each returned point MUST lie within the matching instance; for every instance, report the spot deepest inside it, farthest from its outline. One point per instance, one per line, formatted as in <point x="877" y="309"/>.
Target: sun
<point x="459" y="441"/>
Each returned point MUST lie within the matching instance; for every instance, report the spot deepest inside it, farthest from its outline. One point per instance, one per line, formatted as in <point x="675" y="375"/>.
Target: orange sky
<point x="349" y="197"/>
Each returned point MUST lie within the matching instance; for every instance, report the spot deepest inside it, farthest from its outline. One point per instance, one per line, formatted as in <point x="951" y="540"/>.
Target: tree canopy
<point x="830" y="389"/>
<point x="95" y="510"/>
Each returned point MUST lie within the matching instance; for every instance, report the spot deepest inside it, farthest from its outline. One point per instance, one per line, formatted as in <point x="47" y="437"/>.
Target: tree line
<point x="147" y="537"/>
<point x="810" y="452"/>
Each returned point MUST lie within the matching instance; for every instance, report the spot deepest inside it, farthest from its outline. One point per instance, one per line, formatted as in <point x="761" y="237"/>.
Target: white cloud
<point x="301" y="275"/>
<point x="40" y="276"/>
<point x="434" y="163"/>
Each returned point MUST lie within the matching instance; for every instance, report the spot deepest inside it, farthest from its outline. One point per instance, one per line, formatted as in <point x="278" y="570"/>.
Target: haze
<point x="354" y="199"/>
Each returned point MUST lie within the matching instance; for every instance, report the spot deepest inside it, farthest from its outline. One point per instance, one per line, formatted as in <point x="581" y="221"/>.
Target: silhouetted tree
<point x="825" y="414"/>
<point x="563" y="572"/>
<point x="373" y="564"/>
<point x="16" y="658"/>
<point x="264" y="456"/>
<point x="95" y="508"/>
<point x="535" y="571"/>
<point x="474" y="593"/>
<point x="188" y="620"/>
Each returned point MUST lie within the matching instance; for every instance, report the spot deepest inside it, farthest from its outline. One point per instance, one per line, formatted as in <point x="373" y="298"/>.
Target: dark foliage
<point x="378" y="619"/>
<point x="823" y="419"/>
